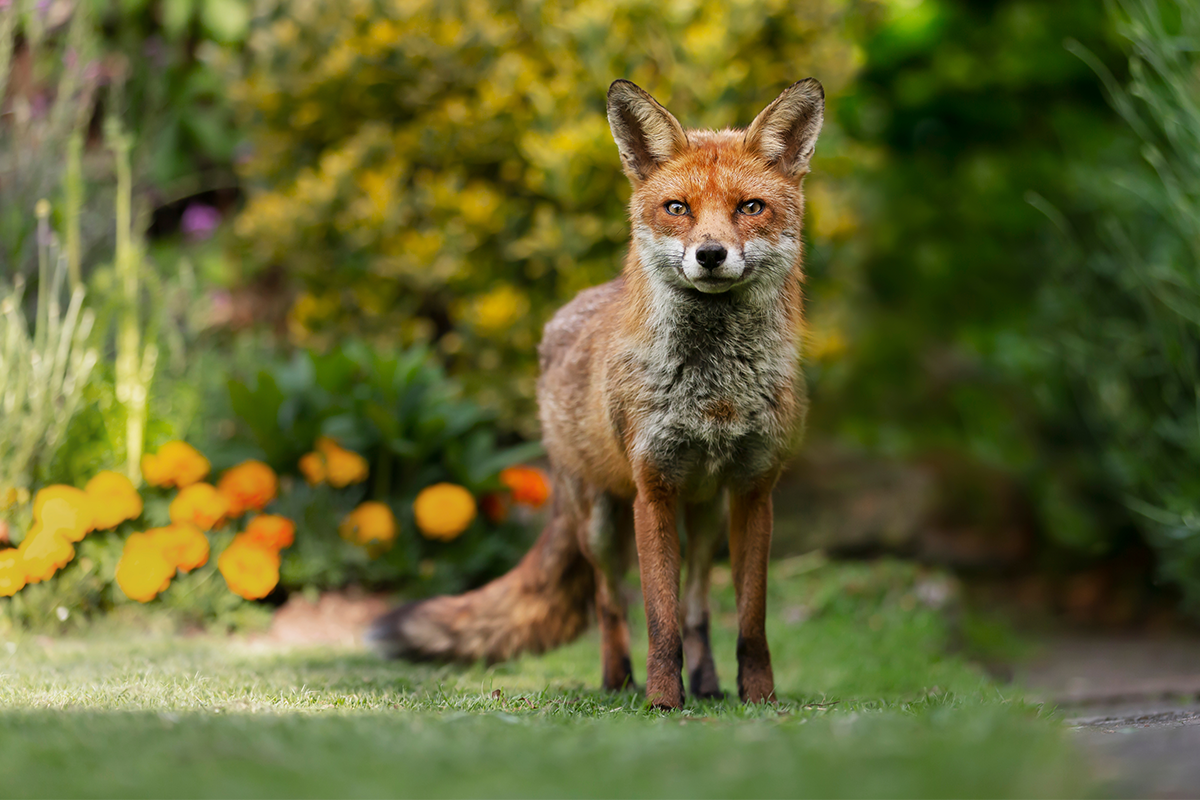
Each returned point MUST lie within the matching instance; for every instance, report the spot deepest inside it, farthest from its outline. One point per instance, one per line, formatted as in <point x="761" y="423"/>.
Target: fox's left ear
<point x="785" y="133"/>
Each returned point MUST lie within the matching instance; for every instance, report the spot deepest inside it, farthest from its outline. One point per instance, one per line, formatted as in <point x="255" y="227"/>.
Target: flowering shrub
<point x="205" y="519"/>
<point x="362" y="436"/>
<point x="482" y="189"/>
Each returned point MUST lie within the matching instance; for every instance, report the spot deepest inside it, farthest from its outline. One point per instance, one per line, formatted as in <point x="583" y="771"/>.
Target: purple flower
<point x="199" y="221"/>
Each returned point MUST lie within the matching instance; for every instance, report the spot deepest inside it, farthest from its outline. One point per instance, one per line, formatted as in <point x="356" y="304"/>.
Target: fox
<point x="670" y="397"/>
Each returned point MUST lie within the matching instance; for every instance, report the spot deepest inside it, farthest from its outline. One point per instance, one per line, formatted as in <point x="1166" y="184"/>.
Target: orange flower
<point x="249" y="487"/>
<point x="371" y="525"/>
<point x="12" y="572"/>
<point x="65" y="510"/>
<point x="44" y="552"/>
<point x="312" y="467"/>
<point x="342" y="467"/>
<point x="443" y="511"/>
<point x="182" y="545"/>
<point x="143" y="571"/>
<point x="199" y="504"/>
<point x="529" y="485"/>
<point x="271" y="531"/>
<point x="175" y="464"/>
<point x="250" y="570"/>
<point x="113" y="498"/>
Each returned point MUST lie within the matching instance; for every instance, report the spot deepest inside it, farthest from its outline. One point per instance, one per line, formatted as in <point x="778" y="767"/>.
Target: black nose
<point x="711" y="255"/>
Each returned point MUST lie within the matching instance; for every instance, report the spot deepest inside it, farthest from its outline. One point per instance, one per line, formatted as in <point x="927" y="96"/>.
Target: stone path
<point x="1134" y="703"/>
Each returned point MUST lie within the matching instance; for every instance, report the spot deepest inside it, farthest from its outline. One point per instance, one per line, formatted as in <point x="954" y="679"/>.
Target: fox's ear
<point x="646" y="133"/>
<point x="785" y="133"/>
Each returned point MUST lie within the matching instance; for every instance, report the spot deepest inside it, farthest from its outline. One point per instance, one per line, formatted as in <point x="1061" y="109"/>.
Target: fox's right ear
<point x="646" y="133"/>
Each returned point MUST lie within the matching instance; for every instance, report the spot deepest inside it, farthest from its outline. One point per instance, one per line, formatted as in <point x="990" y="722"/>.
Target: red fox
<point x="673" y="390"/>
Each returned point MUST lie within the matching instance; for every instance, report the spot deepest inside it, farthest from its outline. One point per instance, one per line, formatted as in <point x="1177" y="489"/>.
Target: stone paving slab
<point x="1133" y="702"/>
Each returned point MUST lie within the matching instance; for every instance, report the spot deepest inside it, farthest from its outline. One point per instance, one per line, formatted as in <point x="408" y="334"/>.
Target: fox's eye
<point x="675" y="208"/>
<point x="751" y="207"/>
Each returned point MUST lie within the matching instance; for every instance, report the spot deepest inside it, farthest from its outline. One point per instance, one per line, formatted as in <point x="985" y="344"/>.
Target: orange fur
<point x="664" y="390"/>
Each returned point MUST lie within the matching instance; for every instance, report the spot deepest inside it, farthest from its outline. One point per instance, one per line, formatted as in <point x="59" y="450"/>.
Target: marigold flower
<point x="250" y="570"/>
<point x="249" y="487"/>
<point x="199" y="504"/>
<point x="114" y="499"/>
<point x="182" y="545"/>
<point x="44" y="552"/>
<point x="372" y="525"/>
<point x="143" y="571"/>
<point x="12" y="572"/>
<point x="529" y="485"/>
<point x="312" y="467"/>
<point x="65" y="510"/>
<point x="342" y="467"/>
<point x="271" y="531"/>
<point x="175" y="464"/>
<point x="443" y="511"/>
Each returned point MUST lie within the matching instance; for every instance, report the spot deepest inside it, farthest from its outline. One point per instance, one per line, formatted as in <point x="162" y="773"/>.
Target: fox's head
<point x="717" y="210"/>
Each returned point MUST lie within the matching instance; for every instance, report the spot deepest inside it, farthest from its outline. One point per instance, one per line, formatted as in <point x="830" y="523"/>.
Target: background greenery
<point x="1001" y="233"/>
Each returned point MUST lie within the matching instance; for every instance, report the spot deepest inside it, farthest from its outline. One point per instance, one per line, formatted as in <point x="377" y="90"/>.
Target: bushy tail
<point x="544" y="601"/>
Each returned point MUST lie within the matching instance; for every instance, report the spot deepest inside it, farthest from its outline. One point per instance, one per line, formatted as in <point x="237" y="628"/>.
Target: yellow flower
<point x="44" y="552"/>
<point x="529" y="486"/>
<point x="182" y="545"/>
<point x="12" y="572"/>
<point x="342" y="467"/>
<point x="271" y="531"/>
<point x="65" y="510"/>
<point x="371" y="525"/>
<point x="250" y="570"/>
<point x="249" y="487"/>
<point x="113" y="498"/>
<point x="312" y="467"/>
<point x="443" y="511"/>
<point x="13" y="496"/>
<point x="199" y="504"/>
<point x="176" y="464"/>
<point x="143" y="571"/>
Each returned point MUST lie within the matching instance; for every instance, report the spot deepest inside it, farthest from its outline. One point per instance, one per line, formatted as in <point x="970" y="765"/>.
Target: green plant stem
<point x="72" y="206"/>
<point x="131" y="368"/>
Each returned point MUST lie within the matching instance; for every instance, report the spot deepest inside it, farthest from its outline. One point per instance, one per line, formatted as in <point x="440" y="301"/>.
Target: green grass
<point x="870" y="705"/>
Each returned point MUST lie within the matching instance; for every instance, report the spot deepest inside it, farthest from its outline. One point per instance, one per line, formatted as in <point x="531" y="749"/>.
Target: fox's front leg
<point x="749" y="550"/>
<point x="658" y="562"/>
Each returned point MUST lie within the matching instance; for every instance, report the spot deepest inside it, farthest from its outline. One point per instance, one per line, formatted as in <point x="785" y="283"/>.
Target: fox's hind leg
<point x="706" y="525"/>
<point x="609" y="546"/>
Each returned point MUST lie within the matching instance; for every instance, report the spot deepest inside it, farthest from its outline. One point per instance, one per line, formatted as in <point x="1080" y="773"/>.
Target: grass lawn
<point x="871" y="704"/>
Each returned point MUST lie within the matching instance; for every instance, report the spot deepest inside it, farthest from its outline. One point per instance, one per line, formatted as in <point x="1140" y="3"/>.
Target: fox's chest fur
<point x="717" y="391"/>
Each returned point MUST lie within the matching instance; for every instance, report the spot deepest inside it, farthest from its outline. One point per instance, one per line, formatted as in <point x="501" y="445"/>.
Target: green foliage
<point x="47" y="369"/>
<point x="1125" y="307"/>
<point x="444" y="170"/>
<point x="399" y="410"/>
<point x="970" y="108"/>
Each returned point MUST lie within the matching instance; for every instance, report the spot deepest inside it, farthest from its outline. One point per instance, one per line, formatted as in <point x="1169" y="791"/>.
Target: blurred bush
<point x="443" y="171"/>
<point x="967" y="108"/>
<point x="1124" y="307"/>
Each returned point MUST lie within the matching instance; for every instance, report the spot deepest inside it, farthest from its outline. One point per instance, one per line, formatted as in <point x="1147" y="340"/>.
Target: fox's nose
<point x="711" y="255"/>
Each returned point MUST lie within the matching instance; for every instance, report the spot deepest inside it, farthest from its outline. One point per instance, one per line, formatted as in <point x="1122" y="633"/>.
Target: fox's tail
<point x="544" y="601"/>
